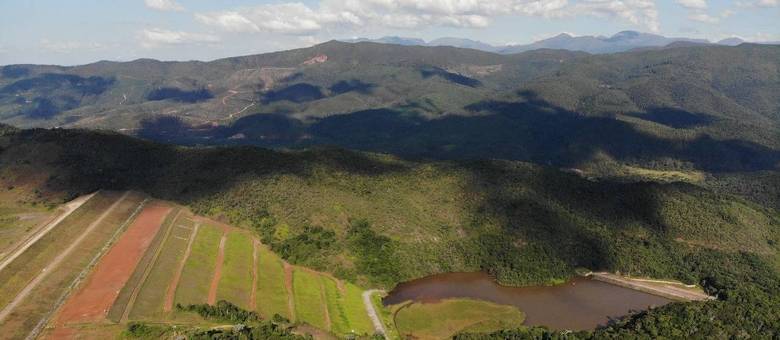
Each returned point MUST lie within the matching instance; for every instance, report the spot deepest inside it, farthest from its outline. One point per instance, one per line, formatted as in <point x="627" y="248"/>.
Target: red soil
<point x="92" y="302"/>
<point x="253" y="293"/>
<point x="288" y="275"/>
<point x="212" y="298"/>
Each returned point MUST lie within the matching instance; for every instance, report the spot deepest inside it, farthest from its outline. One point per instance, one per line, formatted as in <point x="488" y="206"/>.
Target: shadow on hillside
<point x="530" y="129"/>
<point x="676" y="118"/>
<point x="297" y="93"/>
<point x="449" y="76"/>
<point x="352" y="85"/>
<point x="179" y="95"/>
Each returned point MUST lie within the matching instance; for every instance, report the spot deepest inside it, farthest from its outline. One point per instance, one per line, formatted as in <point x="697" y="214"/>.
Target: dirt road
<point x="212" y="298"/>
<point x="70" y="207"/>
<point x="670" y="290"/>
<point x="379" y="327"/>
<point x="58" y="260"/>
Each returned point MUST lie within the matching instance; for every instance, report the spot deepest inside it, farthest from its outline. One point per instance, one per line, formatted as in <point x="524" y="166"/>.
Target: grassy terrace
<point x="310" y="307"/>
<point x="18" y="273"/>
<point x="235" y="285"/>
<point x="26" y="316"/>
<point x="151" y="298"/>
<point x="198" y="271"/>
<point x="271" y="291"/>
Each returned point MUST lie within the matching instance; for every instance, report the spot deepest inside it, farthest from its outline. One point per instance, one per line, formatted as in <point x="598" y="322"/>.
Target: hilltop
<point x="689" y="108"/>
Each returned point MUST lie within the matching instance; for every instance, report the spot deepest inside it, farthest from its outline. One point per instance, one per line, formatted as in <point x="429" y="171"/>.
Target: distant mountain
<point x="620" y="42"/>
<point x="733" y="41"/>
<point x="685" y="107"/>
<point x="391" y="40"/>
<point x="464" y="43"/>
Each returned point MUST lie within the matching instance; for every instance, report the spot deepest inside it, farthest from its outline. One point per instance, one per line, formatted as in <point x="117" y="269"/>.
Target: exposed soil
<point x="253" y="293"/>
<point x="93" y="301"/>
<point x="288" y="274"/>
<point x="58" y="260"/>
<point x="212" y="299"/>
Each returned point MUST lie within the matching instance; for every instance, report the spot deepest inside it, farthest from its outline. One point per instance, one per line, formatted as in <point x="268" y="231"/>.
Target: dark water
<point x="579" y="304"/>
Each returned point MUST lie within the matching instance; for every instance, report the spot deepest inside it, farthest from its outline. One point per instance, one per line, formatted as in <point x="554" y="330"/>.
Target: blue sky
<point x="83" y="31"/>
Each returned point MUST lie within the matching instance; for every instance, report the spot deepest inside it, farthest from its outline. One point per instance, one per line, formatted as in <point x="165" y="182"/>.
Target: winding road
<point x="378" y="325"/>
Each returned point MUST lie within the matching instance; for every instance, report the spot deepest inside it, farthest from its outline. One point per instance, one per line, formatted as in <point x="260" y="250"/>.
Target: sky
<point x="71" y="32"/>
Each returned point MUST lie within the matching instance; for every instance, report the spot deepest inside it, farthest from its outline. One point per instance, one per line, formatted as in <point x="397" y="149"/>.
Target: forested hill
<point x="378" y="220"/>
<point x="710" y="108"/>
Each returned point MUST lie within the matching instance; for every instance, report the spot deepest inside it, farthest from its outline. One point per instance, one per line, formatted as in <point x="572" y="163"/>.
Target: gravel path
<point x="378" y="325"/>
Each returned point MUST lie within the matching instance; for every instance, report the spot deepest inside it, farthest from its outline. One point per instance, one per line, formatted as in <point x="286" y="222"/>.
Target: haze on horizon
<point x="78" y="32"/>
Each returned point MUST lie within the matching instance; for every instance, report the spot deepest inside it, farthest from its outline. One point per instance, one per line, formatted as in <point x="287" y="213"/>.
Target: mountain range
<point x="619" y="42"/>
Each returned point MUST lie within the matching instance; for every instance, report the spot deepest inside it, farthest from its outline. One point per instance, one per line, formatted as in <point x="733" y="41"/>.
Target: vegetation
<point x="235" y="284"/>
<point x="310" y="306"/>
<point x="151" y="297"/>
<point x="198" y="271"/>
<point x="444" y="319"/>
<point x="271" y="292"/>
<point x="524" y="223"/>
<point x="247" y="325"/>
<point x="222" y="311"/>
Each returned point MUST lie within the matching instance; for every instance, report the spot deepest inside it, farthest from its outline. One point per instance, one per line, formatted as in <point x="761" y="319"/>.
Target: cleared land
<point x="195" y="281"/>
<point x="271" y="291"/>
<point x="151" y="298"/>
<point x="123" y="304"/>
<point x="235" y="284"/>
<point x="444" y="319"/>
<point x="70" y="248"/>
<point x="18" y="233"/>
<point x="667" y="289"/>
<point x="93" y="301"/>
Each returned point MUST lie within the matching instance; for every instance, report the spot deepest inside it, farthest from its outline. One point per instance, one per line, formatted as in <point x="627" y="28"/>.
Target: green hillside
<point x="378" y="220"/>
<point x="690" y="108"/>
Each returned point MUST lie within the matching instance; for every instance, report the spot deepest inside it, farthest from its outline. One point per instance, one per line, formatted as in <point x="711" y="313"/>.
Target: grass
<point x="356" y="310"/>
<point x="198" y="271"/>
<point x="271" y="290"/>
<point x="30" y="263"/>
<point x="18" y="219"/>
<point x="151" y="298"/>
<point x="346" y="309"/>
<point x="446" y="318"/>
<point x="124" y="299"/>
<point x="235" y="285"/>
<point x="30" y="311"/>
<point x="309" y="304"/>
<point x="385" y="314"/>
<point x="339" y="323"/>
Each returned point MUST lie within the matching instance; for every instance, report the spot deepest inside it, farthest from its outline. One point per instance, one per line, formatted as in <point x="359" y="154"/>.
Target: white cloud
<point x="59" y="46"/>
<point x="693" y="4"/>
<point x="638" y="12"/>
<point x="164" y="5"/>
<point x="703" y="17"/>
<point x="156" y="37"/>
<point x="301" y="19"/>
<point x="758" y="3"/>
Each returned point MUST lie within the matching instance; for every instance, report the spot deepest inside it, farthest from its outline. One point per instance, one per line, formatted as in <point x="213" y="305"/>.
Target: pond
<point x="579" y="304"/>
